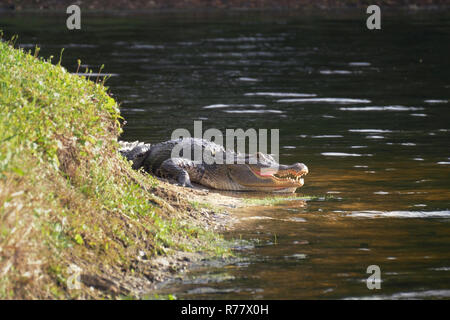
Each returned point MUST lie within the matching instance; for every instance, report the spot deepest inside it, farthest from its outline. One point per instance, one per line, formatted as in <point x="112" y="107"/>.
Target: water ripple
<point x="253" y="111"/>
<point x="280" y="94"/>
<point x="335" y="72"/>
<point x="220" y="105"/>
<point x="382" y="108"/>
<point x="407" y="295"/>
<point x="327" y="100"/>
<point x="436" y="101"/>
<point x="400" y="214"/>
<point x="343" y="154"/>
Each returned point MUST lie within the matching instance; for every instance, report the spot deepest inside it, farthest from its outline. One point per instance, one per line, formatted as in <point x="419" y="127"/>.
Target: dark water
<point x="373" y="128"/>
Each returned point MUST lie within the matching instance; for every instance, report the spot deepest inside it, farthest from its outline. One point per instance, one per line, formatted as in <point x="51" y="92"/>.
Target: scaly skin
<point x="257" y="172"/>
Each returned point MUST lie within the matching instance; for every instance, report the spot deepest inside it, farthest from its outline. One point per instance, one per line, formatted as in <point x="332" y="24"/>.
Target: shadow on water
<point x="368" y="112"/>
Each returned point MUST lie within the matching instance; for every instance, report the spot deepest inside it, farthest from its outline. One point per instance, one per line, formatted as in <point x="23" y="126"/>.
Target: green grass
<point x="66" y="196"/>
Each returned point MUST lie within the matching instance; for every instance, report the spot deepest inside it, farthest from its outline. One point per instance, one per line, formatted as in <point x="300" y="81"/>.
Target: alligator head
<point x="134" y="151"/>
<point x="261" y="172"/>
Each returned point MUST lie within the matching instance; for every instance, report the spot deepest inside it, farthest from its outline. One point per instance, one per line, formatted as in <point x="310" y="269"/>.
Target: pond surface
<point x="366" y="111"/>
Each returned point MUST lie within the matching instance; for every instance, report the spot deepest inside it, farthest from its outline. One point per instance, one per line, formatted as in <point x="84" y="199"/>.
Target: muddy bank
<point x="207" y="209"/>
<point x="215" y="4"/>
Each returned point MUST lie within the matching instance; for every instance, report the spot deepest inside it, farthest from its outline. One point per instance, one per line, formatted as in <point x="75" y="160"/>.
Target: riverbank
<point x="216" y="4"/>
<point x="76" y="221"/>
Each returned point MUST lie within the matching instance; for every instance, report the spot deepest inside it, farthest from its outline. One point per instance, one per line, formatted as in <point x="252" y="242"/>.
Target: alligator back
<point x="185" y="148"/>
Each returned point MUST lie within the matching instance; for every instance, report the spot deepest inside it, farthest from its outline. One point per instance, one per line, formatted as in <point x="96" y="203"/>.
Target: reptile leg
<point x="175" y="168"/>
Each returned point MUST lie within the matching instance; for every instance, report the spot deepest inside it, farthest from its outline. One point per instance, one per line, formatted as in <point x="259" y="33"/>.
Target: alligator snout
<point x="301" y="168"/>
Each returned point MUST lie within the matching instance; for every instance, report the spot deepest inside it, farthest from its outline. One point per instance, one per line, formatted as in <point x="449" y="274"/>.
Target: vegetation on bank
<point x="68" y="201"/>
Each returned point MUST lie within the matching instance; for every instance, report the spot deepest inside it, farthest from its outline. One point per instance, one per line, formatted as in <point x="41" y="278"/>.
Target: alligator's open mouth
<point x="287" y="175"/>
<point x="291" y="176"/>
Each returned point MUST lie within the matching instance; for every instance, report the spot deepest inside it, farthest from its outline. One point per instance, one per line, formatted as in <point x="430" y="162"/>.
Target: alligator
<point x="245" y="172"/>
